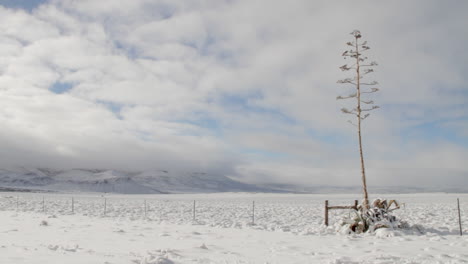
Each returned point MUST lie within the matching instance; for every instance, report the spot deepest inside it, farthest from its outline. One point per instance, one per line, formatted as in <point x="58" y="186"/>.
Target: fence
<point x="295" y="213"/>
<point x="327" y="208"/>
<point x="227" y="213"/>
<point x="22" y="205"/>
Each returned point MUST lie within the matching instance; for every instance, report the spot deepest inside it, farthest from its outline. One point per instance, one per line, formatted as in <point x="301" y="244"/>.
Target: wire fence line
<point x="215" y="212"/>
<point x="292" y="213"/>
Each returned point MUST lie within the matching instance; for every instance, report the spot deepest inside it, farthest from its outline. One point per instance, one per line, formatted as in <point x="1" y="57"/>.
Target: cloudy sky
<point x="239" y="88"/>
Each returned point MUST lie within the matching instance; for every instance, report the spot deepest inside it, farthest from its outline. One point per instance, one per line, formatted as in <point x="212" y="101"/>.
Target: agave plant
<point x="378" y="215"/>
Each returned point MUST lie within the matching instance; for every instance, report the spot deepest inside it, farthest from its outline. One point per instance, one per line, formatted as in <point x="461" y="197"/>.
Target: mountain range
<point x="163" y="181"/>
<point x="115" y="181"/>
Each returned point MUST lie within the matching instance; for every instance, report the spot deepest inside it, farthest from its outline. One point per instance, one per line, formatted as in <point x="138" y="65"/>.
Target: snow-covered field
<point x="288" y="229"/>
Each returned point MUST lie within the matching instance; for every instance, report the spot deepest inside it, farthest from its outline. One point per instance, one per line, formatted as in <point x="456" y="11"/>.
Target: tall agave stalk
<point x="360" y="67"/>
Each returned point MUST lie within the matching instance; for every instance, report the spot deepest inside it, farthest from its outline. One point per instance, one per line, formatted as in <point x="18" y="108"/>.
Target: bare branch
<point x="367" y="102"/>
<point x="362" y="59"/>
<point x="370" y="109"/>
<point x="372" y="83"/>
<point x="351" y="122"/>
<point x="346" y="111"/>
<point x="373" y="90"/>
<point x="365" y="116"/>
<point x="367" y="71"/>
<point x="347" y="80"/>
<point x="345" y="68"/>
<point x="350" y="53"/>
<point x="346" y="97"/>
<point x="371" y="64"/>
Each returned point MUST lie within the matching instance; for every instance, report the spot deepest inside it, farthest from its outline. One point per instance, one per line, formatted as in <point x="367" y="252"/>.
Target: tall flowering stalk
<point x="360" y="67"/>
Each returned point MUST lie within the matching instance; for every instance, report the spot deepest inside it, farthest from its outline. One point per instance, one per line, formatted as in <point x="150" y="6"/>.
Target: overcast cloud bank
<point x="238" y="88"/>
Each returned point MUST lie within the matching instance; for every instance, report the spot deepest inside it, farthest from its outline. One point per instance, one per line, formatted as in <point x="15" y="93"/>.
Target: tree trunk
<point x="363" y="171"/>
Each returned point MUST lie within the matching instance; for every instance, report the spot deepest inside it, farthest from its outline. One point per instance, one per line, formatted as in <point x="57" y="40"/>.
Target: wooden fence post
<point x="459" y="217"/>
<point x="193" y="210"/>
<point x="356" y="204"/>
<point x="253" y="212"/>
<point x="159" y="210"/>
<point x="326" y="212"/>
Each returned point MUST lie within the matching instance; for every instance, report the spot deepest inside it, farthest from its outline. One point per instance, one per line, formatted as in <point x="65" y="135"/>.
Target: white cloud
<point x="197" y="84"/>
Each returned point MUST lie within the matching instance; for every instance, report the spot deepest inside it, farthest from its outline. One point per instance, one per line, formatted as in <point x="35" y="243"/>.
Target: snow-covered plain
<point x="288" y="229"/>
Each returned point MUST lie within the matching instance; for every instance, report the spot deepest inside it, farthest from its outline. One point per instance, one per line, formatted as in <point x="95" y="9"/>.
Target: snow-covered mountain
<point x="162" y="181"/>
<point x="113" y="181"/>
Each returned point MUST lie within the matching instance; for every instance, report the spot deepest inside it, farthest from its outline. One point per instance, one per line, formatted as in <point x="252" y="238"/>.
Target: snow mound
<point x="161" y="256"/>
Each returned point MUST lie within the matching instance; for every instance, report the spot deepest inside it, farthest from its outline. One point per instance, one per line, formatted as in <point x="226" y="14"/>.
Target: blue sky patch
<point x="333" y="138"/>
<point x="244" y="104"/>
<point x="203" y="121"/>
<point x="436" y="131"/>
<point x="61" y="87"/>
<point x="114" y="107"/>
<point x="28" y="5"/>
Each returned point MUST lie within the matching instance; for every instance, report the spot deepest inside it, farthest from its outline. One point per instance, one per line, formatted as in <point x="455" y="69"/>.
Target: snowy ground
<point x="288" y="229"/>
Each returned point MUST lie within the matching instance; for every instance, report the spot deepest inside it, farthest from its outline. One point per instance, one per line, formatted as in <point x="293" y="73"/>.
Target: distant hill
<point x="162" y="181"/>
<point x="291" y="188"/>
<point x="114" y="181"/>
